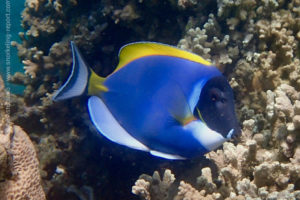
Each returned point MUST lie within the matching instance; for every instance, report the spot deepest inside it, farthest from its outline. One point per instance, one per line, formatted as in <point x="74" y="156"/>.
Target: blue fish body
<point x="150" y="102"/>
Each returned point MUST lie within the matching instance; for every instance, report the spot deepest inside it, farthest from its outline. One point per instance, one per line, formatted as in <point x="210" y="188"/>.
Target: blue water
<point x="12" y="23"/>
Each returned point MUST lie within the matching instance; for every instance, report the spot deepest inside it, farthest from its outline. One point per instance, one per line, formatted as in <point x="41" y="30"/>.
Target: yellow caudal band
<point x="96" y="84"/>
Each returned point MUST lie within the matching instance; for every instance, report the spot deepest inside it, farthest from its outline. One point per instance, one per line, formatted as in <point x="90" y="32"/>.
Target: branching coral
<point x="209" y="43"/>
<point x="30" y="68"/>
<point x="125" y="14"/>
<point x="246" y="171"/>
<point x="154" y="187"/>
<point x="187" y="3"/>
<point x="141" y="188"/>
<point x="186" y="191"/>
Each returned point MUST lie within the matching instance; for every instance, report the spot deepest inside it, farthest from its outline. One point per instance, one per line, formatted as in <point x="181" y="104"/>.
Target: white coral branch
<point x="30" y="68"/>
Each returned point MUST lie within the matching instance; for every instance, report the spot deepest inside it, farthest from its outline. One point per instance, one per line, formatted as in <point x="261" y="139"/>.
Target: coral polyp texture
<point x="255" y="43"/>
<point x="19" y="166"/>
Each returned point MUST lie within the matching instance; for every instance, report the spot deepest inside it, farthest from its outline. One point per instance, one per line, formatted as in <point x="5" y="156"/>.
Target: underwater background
<point x="15" y="28"/>
<point x="52" y="151"/>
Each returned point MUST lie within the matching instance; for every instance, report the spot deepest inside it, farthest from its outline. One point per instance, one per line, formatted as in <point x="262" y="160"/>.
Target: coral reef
<point x="205" y="42"/>
<point x="245" y="172"/>
<point x="264" y="72"/>
<point x="255" y="43"/>
<point x="157" y="187"/>
<point x="19" y="166"/>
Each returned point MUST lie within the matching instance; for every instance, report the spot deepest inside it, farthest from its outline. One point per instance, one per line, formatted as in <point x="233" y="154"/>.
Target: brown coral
<point x="154" y="188"/>
<point x="19" y="166"/>
<point x="186" y="191"/>
<point x="24" y="182"/>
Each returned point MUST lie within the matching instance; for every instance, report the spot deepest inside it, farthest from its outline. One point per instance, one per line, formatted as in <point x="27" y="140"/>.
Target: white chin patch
<point x="209" y="139"/>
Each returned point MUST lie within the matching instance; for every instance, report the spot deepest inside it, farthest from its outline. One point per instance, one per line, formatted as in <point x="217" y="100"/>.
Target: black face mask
<point x="216" y="106"/>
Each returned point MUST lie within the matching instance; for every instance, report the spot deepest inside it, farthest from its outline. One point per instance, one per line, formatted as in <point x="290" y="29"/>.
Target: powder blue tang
<point x="160" y="99"/>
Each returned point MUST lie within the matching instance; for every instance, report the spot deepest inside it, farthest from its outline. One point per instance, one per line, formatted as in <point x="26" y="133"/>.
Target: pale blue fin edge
<point x="78" y="79"/>
<point x="108" y="126"/>
<point x="166" y="156"/>
<point x="195" y="95"/>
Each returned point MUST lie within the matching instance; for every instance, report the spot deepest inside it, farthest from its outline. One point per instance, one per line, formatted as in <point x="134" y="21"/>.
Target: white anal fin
<point x="108" y="126"/>
<point x="166" y="156"/>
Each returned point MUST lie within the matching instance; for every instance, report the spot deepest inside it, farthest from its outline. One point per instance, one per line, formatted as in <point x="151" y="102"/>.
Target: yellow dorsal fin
<point x="137" y="50"/>
<point x="96" y="84"/>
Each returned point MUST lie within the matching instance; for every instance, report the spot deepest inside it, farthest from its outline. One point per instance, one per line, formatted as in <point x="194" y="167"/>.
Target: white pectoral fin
<point x="209" y="138"/>
<point x="108" y="126"/>
<point x="179" y="107"/>
<point x="194" y="96"/>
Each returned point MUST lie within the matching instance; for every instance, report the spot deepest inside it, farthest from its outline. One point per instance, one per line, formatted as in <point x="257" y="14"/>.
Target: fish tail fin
<point x="82" y="80"/>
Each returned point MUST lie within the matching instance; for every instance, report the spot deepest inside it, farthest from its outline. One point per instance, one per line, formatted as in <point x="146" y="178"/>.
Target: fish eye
<point x="214" y="96"/>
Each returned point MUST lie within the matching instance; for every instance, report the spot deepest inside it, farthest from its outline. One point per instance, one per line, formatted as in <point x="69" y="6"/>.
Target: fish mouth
<point x="234" y="133"/>
<point x="230" y="133"/>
